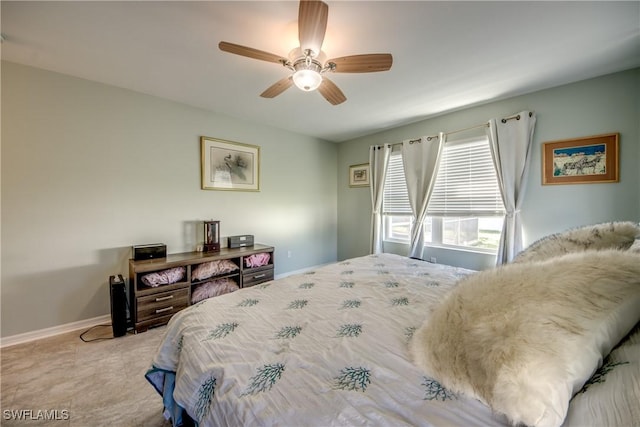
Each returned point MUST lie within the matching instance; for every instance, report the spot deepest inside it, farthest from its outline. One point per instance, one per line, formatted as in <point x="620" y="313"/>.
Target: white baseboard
<point x="87" y="323"/>
<point x="303" y="270"/>
<point x="55" y="330"/>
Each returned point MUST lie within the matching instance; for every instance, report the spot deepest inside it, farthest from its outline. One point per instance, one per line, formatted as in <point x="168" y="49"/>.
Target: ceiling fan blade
<point x="277" y="88"/>
<point x="367" y="63"/>
<point x="331" y="92"/>
<point x="312" y="24"/>
<point x="250" y="52"/>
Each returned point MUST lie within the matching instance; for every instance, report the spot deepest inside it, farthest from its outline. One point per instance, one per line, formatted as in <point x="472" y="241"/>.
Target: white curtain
<point x="378" y="162"/>
<point x="420" y="158"/>
<point x="510" y="140"/>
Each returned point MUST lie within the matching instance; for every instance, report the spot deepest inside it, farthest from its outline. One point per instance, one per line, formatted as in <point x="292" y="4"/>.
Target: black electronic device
<point x="152" y="251"/>
<point x="240" y="241"/>
<point x="118" y="305"/>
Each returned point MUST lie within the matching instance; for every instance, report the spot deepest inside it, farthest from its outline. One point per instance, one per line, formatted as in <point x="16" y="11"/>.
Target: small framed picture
<point x="584" y="160"/>
<point x="228" y="165"/>
<point x="359" y="175"/>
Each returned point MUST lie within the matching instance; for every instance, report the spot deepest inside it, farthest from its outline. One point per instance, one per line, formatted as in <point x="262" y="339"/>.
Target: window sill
<point x="462" y="249"/>
<point x="482" y="251"/>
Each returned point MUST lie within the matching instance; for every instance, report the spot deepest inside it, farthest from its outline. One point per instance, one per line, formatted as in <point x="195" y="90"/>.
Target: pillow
<point x="164" y="277"/>
<point x="213" y="289"/>
<point x="524" y="338"/>
<point x="611" y="396"/>
<point x="257" y="260"/>
<point x="612" y="235"/>
<point x="213" y="268"/>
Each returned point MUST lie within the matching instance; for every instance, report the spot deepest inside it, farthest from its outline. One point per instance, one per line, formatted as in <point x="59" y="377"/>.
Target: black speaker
<point x="118" y="305"/>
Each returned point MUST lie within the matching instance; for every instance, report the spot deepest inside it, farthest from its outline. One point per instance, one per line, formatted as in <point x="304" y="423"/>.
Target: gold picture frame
<point x="592" y="159"/>
<point x="359" y="175"/>
<point x="228" y="165"/>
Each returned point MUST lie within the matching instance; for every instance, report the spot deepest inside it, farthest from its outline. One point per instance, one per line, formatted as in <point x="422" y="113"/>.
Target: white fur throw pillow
<point x="524" y="338"/>
<point x="611" y="235"/>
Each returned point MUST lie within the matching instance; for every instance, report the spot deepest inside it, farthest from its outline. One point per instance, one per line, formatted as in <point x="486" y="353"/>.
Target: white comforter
<point x="325" y="348"/>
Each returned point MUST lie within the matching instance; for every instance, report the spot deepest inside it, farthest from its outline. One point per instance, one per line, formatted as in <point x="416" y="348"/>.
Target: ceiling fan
<point x="307" y="62"/>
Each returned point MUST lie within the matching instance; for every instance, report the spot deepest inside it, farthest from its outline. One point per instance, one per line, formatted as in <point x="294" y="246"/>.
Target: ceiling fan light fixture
<point x="307" y="80"/>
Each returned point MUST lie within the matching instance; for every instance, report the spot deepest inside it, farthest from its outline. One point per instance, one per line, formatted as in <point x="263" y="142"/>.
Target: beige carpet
<point x="98" y="383"/>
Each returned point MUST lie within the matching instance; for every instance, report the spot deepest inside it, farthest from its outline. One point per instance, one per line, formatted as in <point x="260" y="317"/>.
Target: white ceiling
<point x="447" y="55"/>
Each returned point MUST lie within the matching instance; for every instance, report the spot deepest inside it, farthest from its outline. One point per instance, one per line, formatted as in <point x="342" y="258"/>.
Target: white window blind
<point x="466" y="184"/>
<point x="395" y="199"/>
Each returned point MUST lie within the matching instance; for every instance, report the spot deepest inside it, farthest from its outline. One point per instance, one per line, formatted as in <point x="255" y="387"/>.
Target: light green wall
<point x="597" y="106"/>
<point x="89" y="170"/>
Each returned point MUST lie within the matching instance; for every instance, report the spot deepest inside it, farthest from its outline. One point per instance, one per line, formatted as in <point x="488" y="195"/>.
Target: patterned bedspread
<point x="324" y="348"/>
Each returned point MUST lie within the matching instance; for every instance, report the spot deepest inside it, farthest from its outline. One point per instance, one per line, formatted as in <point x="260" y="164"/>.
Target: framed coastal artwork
<point x="591" y="159"/>
<point x="359" y="175"/>
<point x="228" y="165"/>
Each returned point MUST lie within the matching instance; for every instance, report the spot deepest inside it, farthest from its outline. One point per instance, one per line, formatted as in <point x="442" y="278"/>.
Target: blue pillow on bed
<point x="525" y="337"/>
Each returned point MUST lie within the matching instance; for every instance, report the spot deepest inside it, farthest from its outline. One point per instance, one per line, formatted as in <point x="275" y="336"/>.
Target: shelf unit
<point x="154" y="306"/>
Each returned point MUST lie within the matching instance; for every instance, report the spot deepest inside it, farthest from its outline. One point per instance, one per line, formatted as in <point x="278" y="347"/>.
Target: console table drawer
<point x="258" y="276"/>
<point x="162" y="304"/>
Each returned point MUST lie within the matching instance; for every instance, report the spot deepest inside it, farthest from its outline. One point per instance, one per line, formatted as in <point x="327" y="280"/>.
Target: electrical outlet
<point x="289" y="254"/>
<point x="432" y="259"/>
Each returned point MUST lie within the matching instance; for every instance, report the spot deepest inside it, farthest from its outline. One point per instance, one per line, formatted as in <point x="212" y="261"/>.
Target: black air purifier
<point x="118" y="305"/>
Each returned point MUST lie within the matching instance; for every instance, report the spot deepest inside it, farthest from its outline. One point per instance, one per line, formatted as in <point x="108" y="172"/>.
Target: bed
<point x="333" y="346"/>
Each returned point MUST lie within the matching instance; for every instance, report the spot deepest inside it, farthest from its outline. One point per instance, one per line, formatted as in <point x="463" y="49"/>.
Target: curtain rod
<point x="429" y="138"/>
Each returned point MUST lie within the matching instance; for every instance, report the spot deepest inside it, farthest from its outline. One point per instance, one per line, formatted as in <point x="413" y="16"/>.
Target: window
<point x="465" y="210"/>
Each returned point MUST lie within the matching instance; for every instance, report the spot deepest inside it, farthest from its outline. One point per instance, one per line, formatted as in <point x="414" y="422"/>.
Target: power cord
<point x="95" y="339"/>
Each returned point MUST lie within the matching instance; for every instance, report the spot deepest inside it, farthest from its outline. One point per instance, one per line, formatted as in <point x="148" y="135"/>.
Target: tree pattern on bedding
<point x="351" y="303"/>
<point x="307" y="285"/>
<point x="350" y="330"/>
<point x="289" y="332"/>
<point x="391" y="284"/>
<point x="264" y="379"/>
<point x="205" y="396"/>
<point x="221" y="331"/>
<point x="400" y="301"/>
<point x="353" y="379"/>
<point x="435" y="391"/>
<point x="347" y="285"/>
<point x="297" y="304"/>
<point x="248" y="302"/>
<point x="409" y="331"/>
<point x="599" y="376"/>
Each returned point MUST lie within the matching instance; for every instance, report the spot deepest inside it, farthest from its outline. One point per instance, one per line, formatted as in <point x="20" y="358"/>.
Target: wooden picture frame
<point x="592" y="159"/>
<point x="228" y="165"/>
<point x="359" y="175"/>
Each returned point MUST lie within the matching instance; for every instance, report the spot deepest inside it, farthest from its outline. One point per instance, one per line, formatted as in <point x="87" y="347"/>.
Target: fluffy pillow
<point x="611" y="396"/>
<point x="524" y="338"/>
<point x="164" y="277"/>
<point x="612" y="235"/>
<point x="213" y="268"/>
<point x="213" y="289"/>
